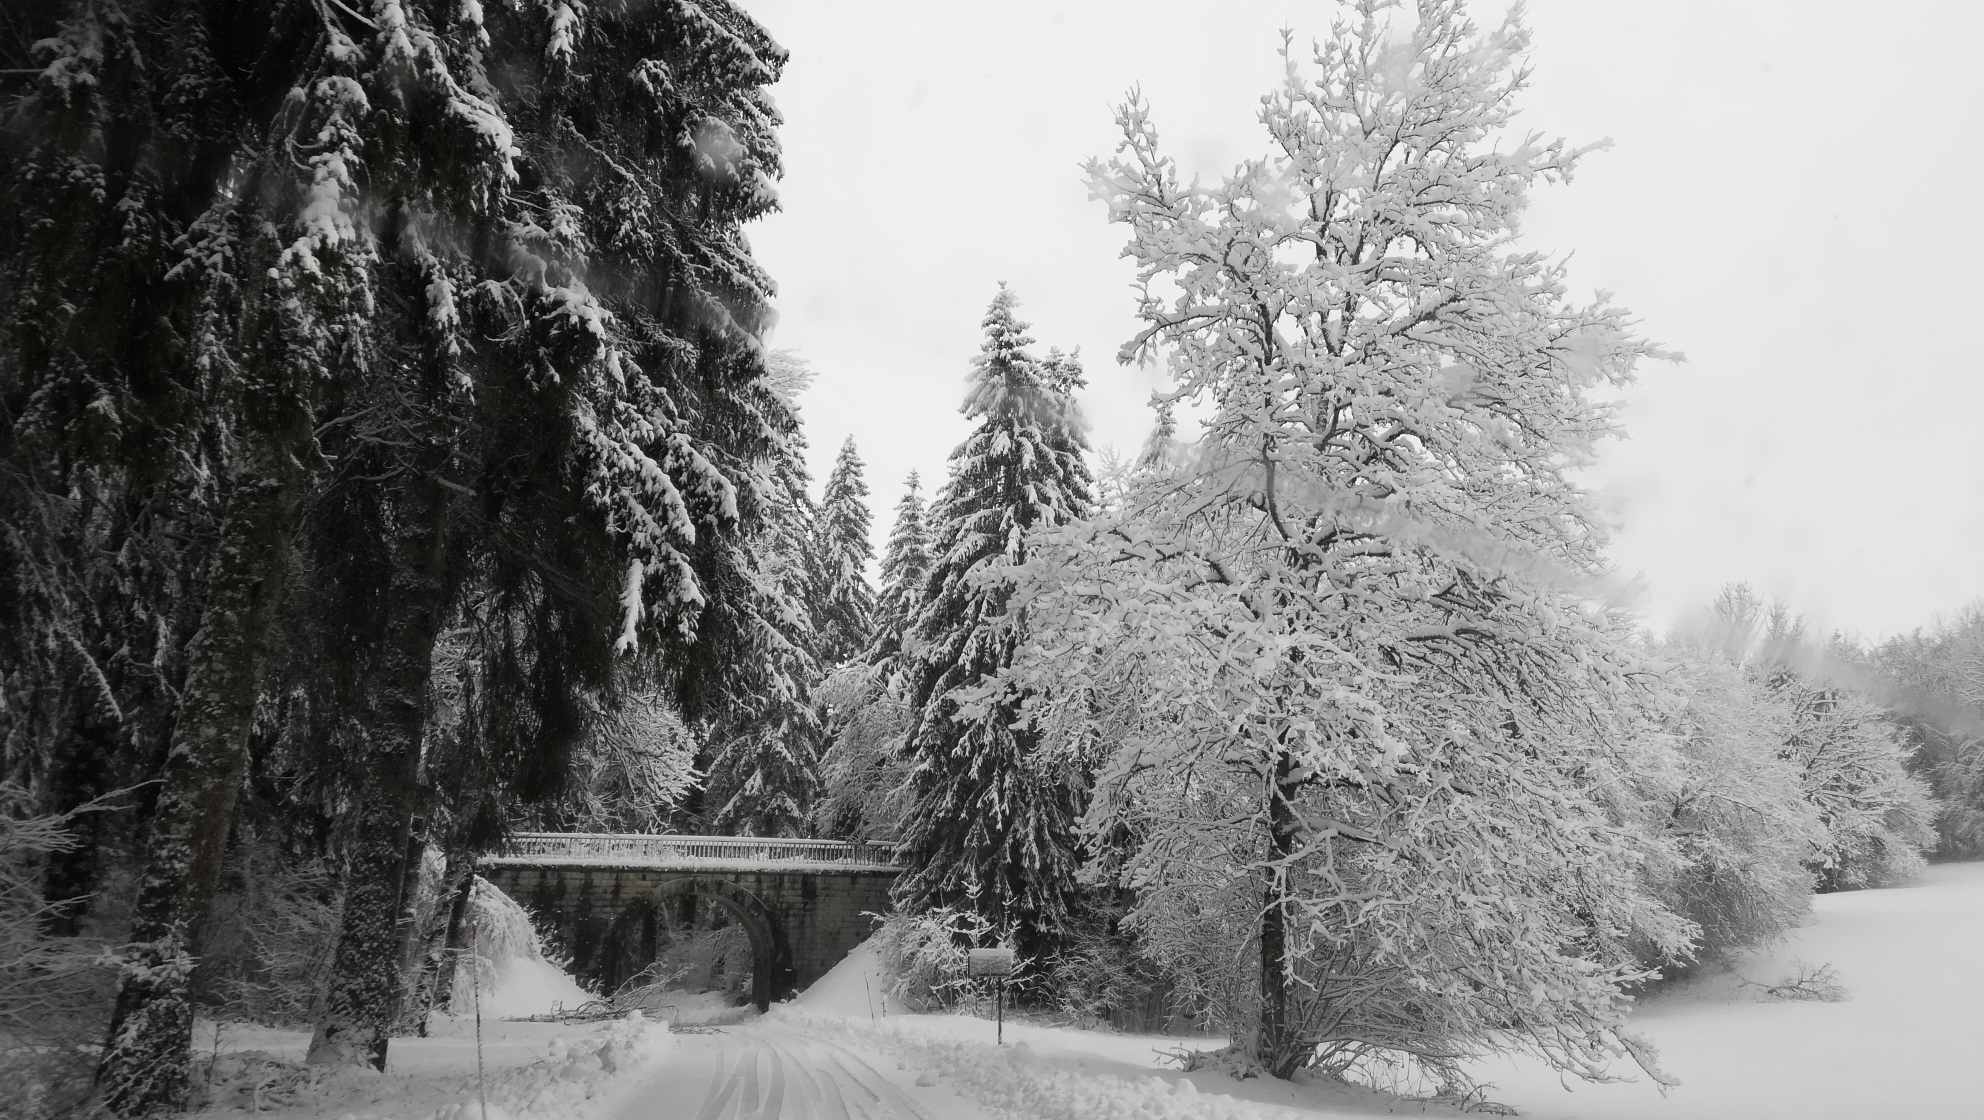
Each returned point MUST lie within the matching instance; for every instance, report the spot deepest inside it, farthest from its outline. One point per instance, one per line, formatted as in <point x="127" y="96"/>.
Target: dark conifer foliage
<point x="989" y="826"/>
<point x="467" y="296"/>
<point x="844" y="604"/>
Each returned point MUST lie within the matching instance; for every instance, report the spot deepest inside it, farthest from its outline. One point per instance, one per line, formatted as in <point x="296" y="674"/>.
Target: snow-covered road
<point x="1904" y="1046"/>
<point x="759" y="1071"/>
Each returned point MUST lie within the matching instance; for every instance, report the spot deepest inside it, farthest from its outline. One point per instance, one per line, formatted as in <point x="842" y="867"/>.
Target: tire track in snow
<point x="767" y="1074"/>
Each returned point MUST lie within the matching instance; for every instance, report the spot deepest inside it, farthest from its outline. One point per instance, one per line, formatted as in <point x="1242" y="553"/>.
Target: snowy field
<point x="1903" y="1045"/>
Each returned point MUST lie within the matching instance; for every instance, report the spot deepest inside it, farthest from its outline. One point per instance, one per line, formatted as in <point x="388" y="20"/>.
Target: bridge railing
<point x="631" y="848"/>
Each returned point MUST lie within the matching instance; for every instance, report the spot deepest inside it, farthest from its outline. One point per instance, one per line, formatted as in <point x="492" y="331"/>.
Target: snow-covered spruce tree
<point x="765" y="735"/>
<point x="843" y="604"/>
<point x="990" y="825"/>
<point x="866" y="700"/>
<point x="596" y="298"/>
<point x="905" y="563"/>
<point x="108" y="471"/>
<point x="590" y="261"/>
<point x="1362" y="715"/>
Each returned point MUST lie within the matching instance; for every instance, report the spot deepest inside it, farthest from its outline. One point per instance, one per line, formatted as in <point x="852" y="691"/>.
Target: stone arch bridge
<point x="802" y="903"/>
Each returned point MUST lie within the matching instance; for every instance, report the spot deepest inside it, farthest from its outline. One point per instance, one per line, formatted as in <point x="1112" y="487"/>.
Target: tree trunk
<point x="455" y="941"/>
<point x="145" y="1063"/>
<point x="365" y="983"/>
<point x="1280" y="1052"/>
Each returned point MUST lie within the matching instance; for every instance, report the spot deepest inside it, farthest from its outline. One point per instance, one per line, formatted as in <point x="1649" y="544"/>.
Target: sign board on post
<point x="995" y="965"/>
<point x="990" y="962"/>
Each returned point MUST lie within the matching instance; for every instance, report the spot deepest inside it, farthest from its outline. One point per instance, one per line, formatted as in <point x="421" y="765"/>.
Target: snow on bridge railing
<point x="663" y="851"/>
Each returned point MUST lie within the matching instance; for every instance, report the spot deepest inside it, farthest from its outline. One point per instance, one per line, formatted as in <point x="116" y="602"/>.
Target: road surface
<point x="757" y="1071"/>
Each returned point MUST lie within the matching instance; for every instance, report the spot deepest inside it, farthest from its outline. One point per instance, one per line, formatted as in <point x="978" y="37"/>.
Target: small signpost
<point x="995" y="965"/>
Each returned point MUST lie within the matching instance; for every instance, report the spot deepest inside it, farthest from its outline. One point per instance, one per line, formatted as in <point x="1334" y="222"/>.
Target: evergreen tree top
<point x="1023" y="463"/>
<point x="907" y="555"/>
<point x="844" y="604"/>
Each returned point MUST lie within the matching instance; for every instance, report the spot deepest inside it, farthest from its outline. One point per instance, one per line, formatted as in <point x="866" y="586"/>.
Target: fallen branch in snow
<point x="1818" y="983"/>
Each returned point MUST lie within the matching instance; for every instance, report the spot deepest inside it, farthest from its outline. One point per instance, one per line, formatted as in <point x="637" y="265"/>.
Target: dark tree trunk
<point x="412" y="1003"/>
<point x="145" y="1064"/>
<point x="1280" y="1051"/>
<point x="365" y="983"/>
<point x="455" y="942"/>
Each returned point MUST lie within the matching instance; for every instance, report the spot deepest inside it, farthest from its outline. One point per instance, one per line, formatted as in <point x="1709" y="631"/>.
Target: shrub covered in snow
<point x="925" y="955"/>
<point x="54" y="991"/>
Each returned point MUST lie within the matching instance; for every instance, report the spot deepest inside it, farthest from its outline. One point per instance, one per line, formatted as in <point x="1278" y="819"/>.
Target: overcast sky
<point x="1792" y="200"/>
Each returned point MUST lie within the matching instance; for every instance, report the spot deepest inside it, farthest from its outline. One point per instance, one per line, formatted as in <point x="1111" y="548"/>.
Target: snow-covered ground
<point x="1903" y="1045"/>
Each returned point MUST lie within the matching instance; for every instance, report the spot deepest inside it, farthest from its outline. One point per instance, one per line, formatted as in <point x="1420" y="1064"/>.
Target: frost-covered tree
<point x="1850" y="757"/>
<point x="844" y="604"/>
<point x="1732" y="805"/>
<point x="990" y="825"/>
<point x="1358" y="710"/>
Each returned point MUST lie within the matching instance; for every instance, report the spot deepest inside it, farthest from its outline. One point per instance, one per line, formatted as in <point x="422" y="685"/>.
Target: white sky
<point x="1793" y="201"/>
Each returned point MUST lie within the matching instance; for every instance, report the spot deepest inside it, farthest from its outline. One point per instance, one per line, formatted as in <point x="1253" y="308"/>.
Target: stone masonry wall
<point x="822" y="915"/>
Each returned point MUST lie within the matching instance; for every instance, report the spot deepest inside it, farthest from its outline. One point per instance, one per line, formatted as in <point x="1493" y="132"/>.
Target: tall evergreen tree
<point x="763" y="765"/>
<point x="844" y="604"/>
<point x="619" y="415"/>
<point x="905" y="563"/>
<point x="989" y="825"/>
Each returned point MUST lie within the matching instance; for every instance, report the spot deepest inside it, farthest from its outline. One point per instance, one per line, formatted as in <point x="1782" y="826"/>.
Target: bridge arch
<point x="772" y="974"/>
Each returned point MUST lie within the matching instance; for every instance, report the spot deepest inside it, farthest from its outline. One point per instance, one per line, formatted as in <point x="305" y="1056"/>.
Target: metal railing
<point x="663" y="850"/>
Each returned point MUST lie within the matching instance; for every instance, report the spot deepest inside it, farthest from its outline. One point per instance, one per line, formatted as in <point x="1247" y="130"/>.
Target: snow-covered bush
<point x="1732" y="807"/>
<point x="267" y="943"/>
<point x="862" y="772"/>
<point x="54" y="991"/>
<point x="1849" y="757"/>
<point x="1101" y="974"/>
<point x="926" y="954"/>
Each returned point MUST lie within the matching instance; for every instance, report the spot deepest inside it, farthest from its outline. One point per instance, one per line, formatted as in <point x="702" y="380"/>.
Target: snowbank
<point x="522" y="988"/>
<point x="508" y="962"/>
<point x="855" y="987"/>
<point x="580" y="1073"/>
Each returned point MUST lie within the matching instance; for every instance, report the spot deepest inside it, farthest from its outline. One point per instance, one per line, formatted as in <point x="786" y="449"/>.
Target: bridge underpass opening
<point x="694" y="936"/>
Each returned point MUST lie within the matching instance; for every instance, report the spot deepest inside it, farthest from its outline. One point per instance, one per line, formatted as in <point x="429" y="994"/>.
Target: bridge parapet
<point x="695" y="853"/>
